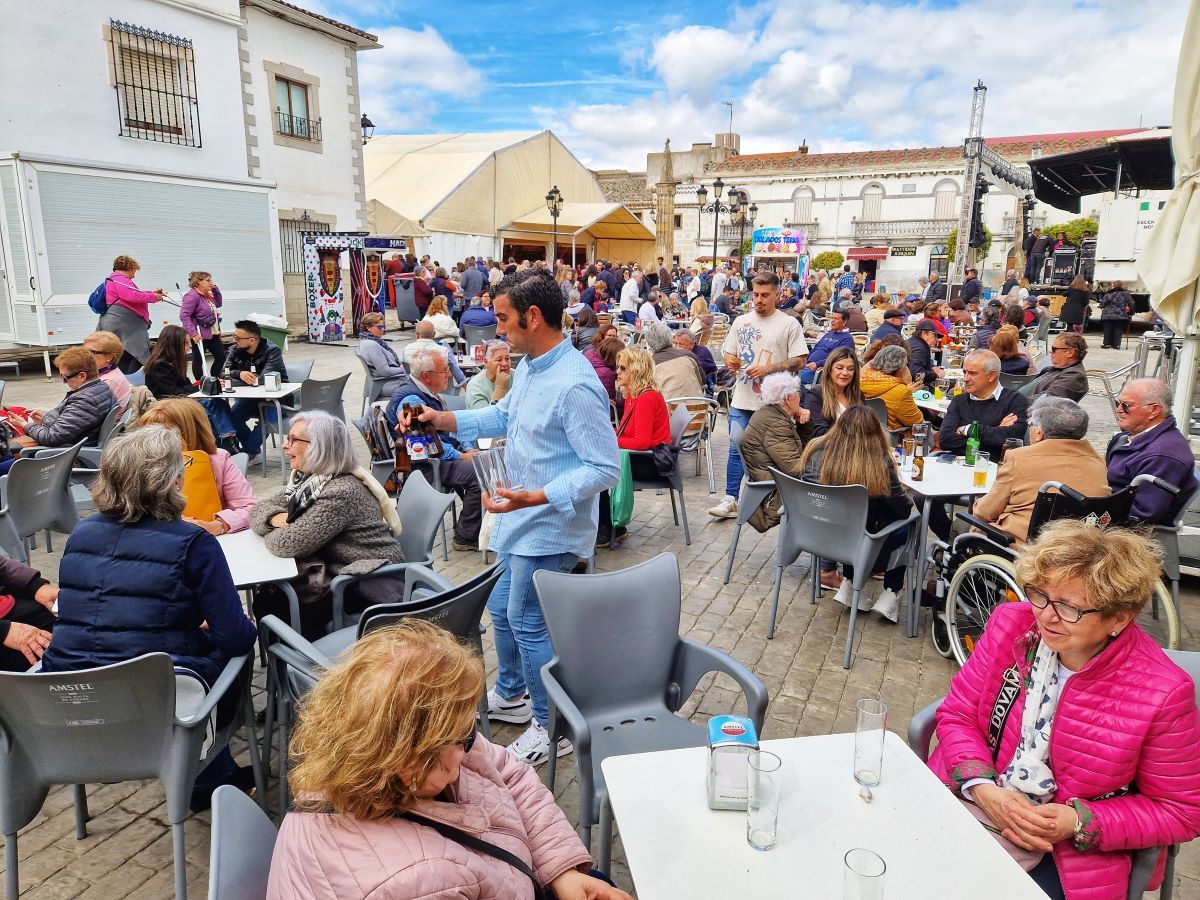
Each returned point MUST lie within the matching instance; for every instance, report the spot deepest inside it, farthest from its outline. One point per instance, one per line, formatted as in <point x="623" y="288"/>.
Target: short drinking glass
<point x="869" y="729"/>
<point x="862" y="875"/>
<point x="981" y="468"/>
<point x="765" y="777"/>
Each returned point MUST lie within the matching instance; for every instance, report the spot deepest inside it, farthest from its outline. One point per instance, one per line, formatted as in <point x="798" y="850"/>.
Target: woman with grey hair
<point x="775" y="437"/>
<point x="677" y="372"/>
<point x="135" y="578"/>
<point x="989" y="324"/>
<point x="886" y="378"/>
<point x="333" y="518"/>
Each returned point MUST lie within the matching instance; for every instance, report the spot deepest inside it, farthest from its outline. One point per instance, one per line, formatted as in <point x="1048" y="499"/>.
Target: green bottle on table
<point x="972" y="443"/>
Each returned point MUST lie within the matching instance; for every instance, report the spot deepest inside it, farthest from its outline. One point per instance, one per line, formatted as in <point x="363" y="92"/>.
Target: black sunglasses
<point x="468" y="742"/>
<point x="67" y="378"/>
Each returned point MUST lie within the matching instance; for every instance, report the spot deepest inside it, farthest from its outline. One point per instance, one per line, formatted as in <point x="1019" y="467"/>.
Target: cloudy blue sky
<point x="615" y="78"/>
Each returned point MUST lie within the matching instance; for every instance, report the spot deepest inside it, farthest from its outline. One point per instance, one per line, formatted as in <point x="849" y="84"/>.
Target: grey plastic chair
<point x="752" y="495"/>
<point x="680" y="419"/>
<point x="381" y="470"/>
<point x="299" y="369"/>
<point x="35" y="496"/>
<point x="479" y="334"/>
<point x="314" y="394"/>
<point x="921" y="728"/>
<point x="373" y="389"/>
<point x="877" y="406"/>
<point x="1015" y="382"/>
<point x="240" y="460"/>
<point x="830" y="522"/>
<point x="1168" y="538"/>
<point x="453" y="402"/>
<point x="620" y="672"/>
<point x="131" y="732"/>
<point x="421" y="509"/>
<point x="243" y="839"/>
<point x="406" y="304"/>
<point x="137" y="379"/>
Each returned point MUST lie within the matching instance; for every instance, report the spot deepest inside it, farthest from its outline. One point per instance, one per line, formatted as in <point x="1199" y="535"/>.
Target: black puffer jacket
<point x="77" y="418"/>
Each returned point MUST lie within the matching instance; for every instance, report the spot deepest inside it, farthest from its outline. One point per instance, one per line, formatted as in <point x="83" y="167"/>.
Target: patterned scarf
<point x="393" y="359"/>
<point x="1029" y="772"/>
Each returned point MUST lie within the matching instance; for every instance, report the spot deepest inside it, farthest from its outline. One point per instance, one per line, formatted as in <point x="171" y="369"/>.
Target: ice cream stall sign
<point x="779" y="242"/>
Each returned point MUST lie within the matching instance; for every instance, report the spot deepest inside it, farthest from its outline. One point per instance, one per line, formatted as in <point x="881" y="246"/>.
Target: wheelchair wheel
<point x="978" y="586"/>
<point x="940" y="632"/>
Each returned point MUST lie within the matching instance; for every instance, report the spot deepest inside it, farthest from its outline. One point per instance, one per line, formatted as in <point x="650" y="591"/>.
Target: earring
<point x="1114" y="634"/>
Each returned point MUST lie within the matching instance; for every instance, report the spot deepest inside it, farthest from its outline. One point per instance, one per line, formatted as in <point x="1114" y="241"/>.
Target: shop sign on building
<point x="779" y="242"/>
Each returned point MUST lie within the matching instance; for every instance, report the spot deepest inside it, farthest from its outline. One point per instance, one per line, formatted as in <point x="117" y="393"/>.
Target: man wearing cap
<point x="920" y="356"/>
<point x="892" y="320"/>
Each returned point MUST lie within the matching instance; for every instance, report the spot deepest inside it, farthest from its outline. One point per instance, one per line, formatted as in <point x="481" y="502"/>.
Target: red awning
<point x="868" y="253"/>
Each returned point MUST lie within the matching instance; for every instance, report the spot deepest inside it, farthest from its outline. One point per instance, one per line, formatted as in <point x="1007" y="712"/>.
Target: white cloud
<point x="397" y="80"/>
<point x="854" y="74"/>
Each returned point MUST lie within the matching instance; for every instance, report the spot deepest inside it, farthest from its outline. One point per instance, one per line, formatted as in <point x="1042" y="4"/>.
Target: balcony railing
<point x="294" y="126"/>
<point x="903" y="228"/>
<point x="812" y="228"/>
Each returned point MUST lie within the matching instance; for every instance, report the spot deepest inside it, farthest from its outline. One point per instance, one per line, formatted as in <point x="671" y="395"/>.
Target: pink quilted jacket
<point x="1128" y="718"/>
<point x="496" y="798"/>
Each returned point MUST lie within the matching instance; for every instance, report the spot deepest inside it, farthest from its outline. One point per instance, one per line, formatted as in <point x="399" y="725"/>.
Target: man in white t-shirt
<point x="647" y="313"/>
<point x="631" y="297"/>
<point x="759" y="343"/>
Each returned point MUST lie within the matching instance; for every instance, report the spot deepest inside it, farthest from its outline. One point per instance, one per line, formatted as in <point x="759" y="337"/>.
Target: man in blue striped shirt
<point x="561" y="453"/>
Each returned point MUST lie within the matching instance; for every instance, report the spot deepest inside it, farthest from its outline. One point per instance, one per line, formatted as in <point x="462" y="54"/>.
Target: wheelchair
<point x="975" y="572"/>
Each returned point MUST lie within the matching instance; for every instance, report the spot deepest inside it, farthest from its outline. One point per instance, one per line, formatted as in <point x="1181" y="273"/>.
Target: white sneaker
<point x="518" y="711"/>
<point x="888" y="605"/>
<point x="726" y="509"/>
<point x="533" y="746"/>
<point x="845" y="593"/>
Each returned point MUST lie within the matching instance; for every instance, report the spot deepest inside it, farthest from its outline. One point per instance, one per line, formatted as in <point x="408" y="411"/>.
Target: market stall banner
<point x="779" y="241"/>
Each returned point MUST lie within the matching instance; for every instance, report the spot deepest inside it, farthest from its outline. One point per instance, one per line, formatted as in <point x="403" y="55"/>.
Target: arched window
<point x="945" y="200"/>
<point x="802" y="204"/>
<point x="872" y="203"/>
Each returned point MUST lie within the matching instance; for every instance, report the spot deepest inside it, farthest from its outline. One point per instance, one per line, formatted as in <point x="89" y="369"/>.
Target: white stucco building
<point x="888" y="211"/>
<point x="158" y="140"/>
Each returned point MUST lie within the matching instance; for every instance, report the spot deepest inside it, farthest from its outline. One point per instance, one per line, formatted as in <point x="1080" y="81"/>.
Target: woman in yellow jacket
<point x="883" y="377"/>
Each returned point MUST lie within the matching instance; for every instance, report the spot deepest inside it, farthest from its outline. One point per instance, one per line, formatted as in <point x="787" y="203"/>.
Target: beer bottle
<point x="403" y="460"/>
<point x="432" y="439"/>
<point x="918" y="463"/>
<point x="972" y="443"/>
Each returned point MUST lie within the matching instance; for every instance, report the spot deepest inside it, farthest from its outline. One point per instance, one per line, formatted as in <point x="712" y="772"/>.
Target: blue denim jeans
<point x="218" y="417"/>
<point x="241" y="412"/>
<point x="628" y="317"/>
<point x="522" y="641"/>
<point x="733" y="466"/>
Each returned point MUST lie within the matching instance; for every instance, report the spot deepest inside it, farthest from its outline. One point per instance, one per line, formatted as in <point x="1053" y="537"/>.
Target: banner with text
<point x="779" y="242"/>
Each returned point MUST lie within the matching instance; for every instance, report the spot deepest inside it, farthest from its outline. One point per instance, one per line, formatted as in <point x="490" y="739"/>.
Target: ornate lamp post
<point x="717" y="207"/>
<point x="554" y="203"/>
<point x="748" y="215"/>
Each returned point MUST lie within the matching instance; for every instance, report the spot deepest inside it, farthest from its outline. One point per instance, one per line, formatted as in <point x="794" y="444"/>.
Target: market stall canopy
<point x="472" y="183"/>
<point x="384" y="221"/>
<point x="1141" y="160"/>
<point x="612" y="230"/>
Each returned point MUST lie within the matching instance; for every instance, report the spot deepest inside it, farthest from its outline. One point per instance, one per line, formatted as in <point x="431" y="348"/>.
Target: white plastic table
<point x="933" y="405"/>
<point x="259" y="392"/>
<point x="677" y="847"/>
<point x="941" y="479"/>
<point x="250" y="562"/>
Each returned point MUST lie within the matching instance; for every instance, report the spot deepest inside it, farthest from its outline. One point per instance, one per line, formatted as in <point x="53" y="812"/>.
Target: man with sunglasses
<point x="1150" y="442"/>
<point x="1065" y="376"/>
<point x="78" y="417"/>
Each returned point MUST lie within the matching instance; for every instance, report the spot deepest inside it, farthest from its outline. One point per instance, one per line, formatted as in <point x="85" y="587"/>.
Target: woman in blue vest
<point x="136" y="579"/>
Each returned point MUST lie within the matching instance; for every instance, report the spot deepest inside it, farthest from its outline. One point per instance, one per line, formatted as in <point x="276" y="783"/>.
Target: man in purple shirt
<point x="1150" y="442"/>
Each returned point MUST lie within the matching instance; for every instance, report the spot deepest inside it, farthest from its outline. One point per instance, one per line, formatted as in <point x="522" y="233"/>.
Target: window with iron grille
<point x="289" y="242"/>
<point x="155" y="79"/>
<point x="292" y="116"/>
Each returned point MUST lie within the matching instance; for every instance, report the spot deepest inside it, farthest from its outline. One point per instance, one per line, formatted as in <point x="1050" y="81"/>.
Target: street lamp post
<point x="748" y="214"/>
<point x="554" y="203"/>
<point x="716" y="208"/>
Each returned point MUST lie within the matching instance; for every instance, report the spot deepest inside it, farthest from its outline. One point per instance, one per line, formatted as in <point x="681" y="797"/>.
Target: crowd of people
<point x="386" y="741"/>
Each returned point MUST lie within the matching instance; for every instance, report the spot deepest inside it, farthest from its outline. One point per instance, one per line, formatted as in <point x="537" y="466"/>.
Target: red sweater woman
<point x="644" y="424"/>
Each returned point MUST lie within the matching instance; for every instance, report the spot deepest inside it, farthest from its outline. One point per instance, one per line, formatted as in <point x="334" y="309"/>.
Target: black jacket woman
<point x="1074" y="312"/>
<point x="1115" y="309"/>
<point x="837" y="391"/>
<point x="856" y="451"/>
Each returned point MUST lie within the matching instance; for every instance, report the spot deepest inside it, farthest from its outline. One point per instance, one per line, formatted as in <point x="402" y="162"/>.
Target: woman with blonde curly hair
<point x="1097" y="752"/>
<point x="438" y="315"/>
<point x="645" y="423"/>
<point x="392" y="777"/>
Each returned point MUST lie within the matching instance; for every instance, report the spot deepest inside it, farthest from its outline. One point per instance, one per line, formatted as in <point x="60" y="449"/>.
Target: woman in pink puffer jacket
<point x="388" y="751"/>
<point x="1100" y="751"/>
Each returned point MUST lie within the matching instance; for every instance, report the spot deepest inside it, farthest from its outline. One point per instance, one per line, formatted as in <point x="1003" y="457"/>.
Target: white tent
<point x="463" y="188"/>
<point x="596" y="230"/>
<point x="1170" y="263"/>
<point x="384" y="221"/>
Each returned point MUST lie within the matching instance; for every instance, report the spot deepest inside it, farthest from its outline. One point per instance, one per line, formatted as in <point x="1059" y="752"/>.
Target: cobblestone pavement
<point x="128" y="851"/>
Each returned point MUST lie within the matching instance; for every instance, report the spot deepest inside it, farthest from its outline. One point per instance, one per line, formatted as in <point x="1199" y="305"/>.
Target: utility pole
<point x="973" y="151"/>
